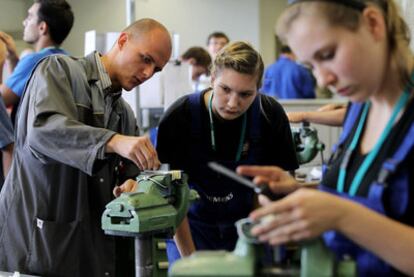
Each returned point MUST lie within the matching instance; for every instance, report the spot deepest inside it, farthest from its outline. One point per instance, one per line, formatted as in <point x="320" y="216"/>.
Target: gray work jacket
<point x="61" y="178"/>
<point x="6" y="127"/>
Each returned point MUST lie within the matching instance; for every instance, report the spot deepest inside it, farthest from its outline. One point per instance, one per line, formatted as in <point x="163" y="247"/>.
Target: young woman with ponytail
<point x="365" y="206"/>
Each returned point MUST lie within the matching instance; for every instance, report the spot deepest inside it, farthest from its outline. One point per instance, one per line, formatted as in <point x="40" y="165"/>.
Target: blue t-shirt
<point x="286" y="79"/>
<point x="6" y="128"/>
<point x="17" y="80"/>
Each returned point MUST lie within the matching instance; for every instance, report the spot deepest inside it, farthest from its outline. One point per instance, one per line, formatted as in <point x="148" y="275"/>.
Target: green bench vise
<point x="310" y="259"/>
<point x="306" y="142"/>
<point x="150" y="214"/>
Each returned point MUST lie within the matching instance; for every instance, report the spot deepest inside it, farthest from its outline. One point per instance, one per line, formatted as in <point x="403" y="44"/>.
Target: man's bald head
<point x="144" y="26"/>
<point x="142" y="49"/>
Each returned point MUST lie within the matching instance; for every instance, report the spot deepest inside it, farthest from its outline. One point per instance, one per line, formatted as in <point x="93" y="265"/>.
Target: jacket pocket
<point x="54" y="248"/>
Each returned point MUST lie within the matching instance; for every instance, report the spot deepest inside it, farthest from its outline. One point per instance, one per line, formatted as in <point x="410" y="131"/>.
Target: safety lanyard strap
<point x="212" y="130"/>
<point x="359" y="176"/>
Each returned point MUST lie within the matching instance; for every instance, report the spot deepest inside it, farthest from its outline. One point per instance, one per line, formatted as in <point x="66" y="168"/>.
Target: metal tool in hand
<point x="259" y="189"/>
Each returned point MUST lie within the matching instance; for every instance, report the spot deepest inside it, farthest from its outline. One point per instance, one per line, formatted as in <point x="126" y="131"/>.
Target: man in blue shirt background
<point x="46" y="26"/>
<point x="286" y="79"/>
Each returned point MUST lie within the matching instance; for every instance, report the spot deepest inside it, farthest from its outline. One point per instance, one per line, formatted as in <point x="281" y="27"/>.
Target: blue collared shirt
<point x="17" y="80"/>
<point x="286" y="79"/>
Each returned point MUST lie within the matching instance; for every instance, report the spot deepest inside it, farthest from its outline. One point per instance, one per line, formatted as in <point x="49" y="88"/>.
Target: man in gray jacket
<point x="76" y="141"/>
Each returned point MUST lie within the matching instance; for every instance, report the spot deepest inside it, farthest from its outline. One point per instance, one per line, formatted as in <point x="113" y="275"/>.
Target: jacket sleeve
<point x="54" y="132"/>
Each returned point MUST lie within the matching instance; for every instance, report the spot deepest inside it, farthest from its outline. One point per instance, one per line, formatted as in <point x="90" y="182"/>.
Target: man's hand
<point x="137" y="149"/>
<point x="128" y="186"/>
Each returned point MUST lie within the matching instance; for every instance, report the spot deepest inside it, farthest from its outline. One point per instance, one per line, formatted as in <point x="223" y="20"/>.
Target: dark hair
<point x="217" y="35"/>
<point x="284" y="49"/>
<point x="199" y="54"/>
<point x="58" y="16"/>
<point x="354" y="4"/>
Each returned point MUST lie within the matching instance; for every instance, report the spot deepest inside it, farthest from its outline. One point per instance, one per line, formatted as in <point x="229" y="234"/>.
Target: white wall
<point x="192" y="19"/>
<point x="407" y="7"/>
<point x="251" y="20"/>
<point x="270" y="10"/>
<point x="99" y="15"/>
<point x="12" y="14"/>
<point x="195" y="19"/>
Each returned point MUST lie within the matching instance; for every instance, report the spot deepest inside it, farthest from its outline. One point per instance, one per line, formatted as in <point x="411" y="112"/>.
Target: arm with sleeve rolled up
<point x="54" y="131"/>
<point x="331" y="118"/>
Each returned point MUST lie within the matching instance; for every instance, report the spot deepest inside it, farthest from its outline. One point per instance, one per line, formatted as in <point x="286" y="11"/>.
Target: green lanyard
<point x="356" y="182"/>
<point x="212" y="131"/>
